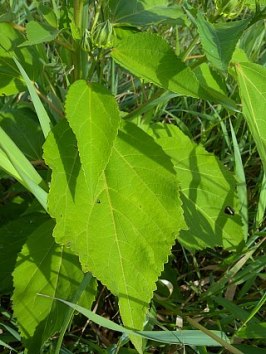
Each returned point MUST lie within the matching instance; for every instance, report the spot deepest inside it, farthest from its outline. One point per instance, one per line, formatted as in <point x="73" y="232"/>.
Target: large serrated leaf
<point x="252" y="84"/>
<point x="44" y="267"/>
<point x="208" y="192"/>
<point x="144" y="12"/>
<point x="219" y="40"/>
<point x="125" y="237"/>
<point x="94" y="118"/>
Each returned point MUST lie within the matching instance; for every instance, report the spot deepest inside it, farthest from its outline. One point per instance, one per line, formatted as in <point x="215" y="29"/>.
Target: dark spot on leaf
<point x="98" y="201"/>
<point x="229" y="210"/>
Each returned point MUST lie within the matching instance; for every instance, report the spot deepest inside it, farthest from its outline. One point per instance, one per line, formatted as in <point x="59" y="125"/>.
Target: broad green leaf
<point x="125" y="236"/>
<point x="207" y="189"/>
<point x="144" y="12"/>
<point x="94" y="118"/>
<point x="12" y="237"/>
<point x="150" y="57"/>
<point x="44" y="267"/>
<point x="252" y="84"/>
<point x="39" y="33"/>
<point x="23" y="129"/>
<point x="10" y="79"/>
<point x="219" y="40"/>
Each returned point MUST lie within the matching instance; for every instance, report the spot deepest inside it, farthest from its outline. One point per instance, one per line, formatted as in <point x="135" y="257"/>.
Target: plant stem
<point x="83" y="285"/>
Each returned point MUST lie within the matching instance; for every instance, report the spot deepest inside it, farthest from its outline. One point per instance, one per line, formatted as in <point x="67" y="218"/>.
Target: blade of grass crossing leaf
<point x="187" y="337"/>
<point x="7" y="166"/>
<point x="254" y="311"/>
<point x="41" y="112"/>
<point x="241" y="186"/>
<point x="262" y="203"/>
<point x="84" y="284"/>
<point x="28" y="176"/>
<point x="223" y="343"/>
<point x="3" y="344"/>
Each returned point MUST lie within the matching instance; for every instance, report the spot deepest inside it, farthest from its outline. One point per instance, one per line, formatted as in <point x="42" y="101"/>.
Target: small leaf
<point x="252" y="84"/>
<point x="207" y="191"/>
<point x="251" y="331"/>
<point x="39" y="33"/>
<point x="219" y="40"/>
<point x="50" y="269"/>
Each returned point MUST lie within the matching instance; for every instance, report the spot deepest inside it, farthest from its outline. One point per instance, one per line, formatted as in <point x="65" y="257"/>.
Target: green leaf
<point x="150" y="57"/>
<point x="184" y="337"/>
<point x="13" y="159"/>
<point x="40" y="110"/>
<point x="125" y="236"/>
<point x="43" y="266"/>
<point x="22" y="128"/>
<point x="94" y="118"/>
<point x="12" y="237"/>
<point x="219" y="40"/>
<point x="257" y="330"/>
<point x="39" y="33"/>
<point x="207" y="190"/>
<point x="252" y="84"/>
<point x="210" y="78"/>
<point x="144" y="12"/>
<point x="10" y="79"/>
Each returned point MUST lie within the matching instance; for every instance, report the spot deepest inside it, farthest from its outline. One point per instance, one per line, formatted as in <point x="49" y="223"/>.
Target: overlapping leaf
<point x="52" y="270"/>
<point x="144" y="12"/>
<point x="207" y="192"/>
<point x="125" y="234"/>
<point x="252" y="84"/>
<point x="219" y="40"/>
<point x="150" y="57"/>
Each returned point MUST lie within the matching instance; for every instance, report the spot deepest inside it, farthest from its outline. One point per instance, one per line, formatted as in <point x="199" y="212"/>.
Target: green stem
<point x="83" y="285"/>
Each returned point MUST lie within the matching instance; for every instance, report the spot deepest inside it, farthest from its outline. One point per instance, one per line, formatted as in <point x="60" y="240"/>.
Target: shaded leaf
<point x="53" y="270"/>
<point x="257" y="330"/>
<point x="219" y="40"/>
<point x="21" y="127"/>
<point x="125" y="236"/>
<point x="208" y="189"/>
<point x="10" y="79"/>
<point x="12" y="237"/>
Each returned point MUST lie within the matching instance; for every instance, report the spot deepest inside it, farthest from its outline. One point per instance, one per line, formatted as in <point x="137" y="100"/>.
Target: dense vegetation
<point x="132" y="166"/>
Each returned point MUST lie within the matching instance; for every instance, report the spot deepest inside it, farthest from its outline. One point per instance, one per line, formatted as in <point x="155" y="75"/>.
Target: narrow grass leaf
<point x="262" y="202"/>
<point x="241" y="184"/>
<point x="40" y="110"/>
<point x="184" y="337"/>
